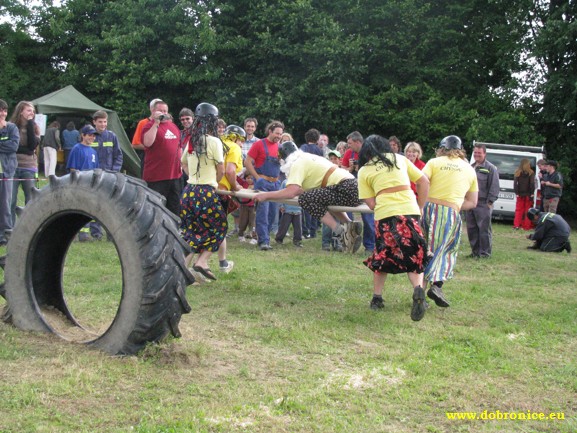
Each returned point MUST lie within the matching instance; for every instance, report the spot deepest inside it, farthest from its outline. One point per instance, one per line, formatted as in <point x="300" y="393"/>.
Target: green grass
<point x="287" y="343"/>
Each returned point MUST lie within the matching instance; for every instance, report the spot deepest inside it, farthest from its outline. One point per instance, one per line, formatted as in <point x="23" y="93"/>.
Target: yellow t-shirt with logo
<point x="451" y="179"/>
<point x="205" y="172"/>
<point x="375" y="176"/>
<point x="309" y="170"/>
<point x="234" y="156"/>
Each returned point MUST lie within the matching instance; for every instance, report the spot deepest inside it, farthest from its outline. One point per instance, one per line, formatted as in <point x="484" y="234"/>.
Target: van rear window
<point x="507" y="164"/>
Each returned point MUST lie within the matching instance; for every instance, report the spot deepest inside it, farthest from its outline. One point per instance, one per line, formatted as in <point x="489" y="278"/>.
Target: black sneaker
<point x="419" y="304"/>
<point x="437" y="295"/>
<point x="377" y="303"/>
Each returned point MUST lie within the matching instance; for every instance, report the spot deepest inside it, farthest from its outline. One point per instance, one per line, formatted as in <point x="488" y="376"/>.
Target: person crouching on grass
<point x="400" y="247"/>
<point x="551" y="232"/>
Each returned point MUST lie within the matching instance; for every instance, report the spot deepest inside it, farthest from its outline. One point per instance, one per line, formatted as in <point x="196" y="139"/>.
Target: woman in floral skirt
<point x="203" y="219"/>
<point x="384" y="185"/>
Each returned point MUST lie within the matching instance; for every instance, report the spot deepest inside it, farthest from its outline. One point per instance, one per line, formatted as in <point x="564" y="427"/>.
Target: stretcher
<point x="250" y="193"/>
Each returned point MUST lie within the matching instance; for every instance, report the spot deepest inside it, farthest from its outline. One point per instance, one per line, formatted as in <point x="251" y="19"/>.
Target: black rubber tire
<point x="146" y="237"/>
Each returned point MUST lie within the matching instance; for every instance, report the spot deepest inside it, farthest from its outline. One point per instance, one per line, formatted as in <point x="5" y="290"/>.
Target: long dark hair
<point x="201" y="127"/>
<point x="377" y="146"/>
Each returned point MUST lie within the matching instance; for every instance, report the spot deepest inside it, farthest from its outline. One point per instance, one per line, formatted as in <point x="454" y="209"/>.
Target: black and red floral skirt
<point x="400" y="246"/>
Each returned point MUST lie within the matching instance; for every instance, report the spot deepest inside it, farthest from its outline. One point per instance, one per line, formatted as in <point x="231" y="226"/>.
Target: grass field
<point x="287" y="343"/>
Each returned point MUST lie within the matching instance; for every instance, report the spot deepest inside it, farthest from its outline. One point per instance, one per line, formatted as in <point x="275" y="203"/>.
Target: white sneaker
<point x="253" y="242"/>
<point x="228" y="268"/>
<point x="241" y="239"/>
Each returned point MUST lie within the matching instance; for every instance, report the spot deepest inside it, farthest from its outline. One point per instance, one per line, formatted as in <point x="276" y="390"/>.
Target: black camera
<point x="163" y="117"/>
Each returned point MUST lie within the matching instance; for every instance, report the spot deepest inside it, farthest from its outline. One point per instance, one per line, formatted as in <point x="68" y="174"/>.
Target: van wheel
<point x="145" y="234"/>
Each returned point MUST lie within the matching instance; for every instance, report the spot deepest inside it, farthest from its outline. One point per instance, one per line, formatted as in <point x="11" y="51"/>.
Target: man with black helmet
<point x="453" y="187"/>
<point x="319" y="183"/>
<point x="551" y="232"/>
<point x="203" y="219"/>
<point x="162" y="171"/>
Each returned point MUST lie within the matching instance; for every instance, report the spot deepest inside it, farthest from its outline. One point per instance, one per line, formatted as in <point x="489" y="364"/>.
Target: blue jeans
<point x="265" y="211"/>
<point x="327" y="239"/>
<point x="368" y="231"/>
<point x="28" y="178"/>
<point x="5" y="206"/>
<point x="311" y="225"/>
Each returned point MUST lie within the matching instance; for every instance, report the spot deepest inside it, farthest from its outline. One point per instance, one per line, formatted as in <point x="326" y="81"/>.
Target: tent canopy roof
<point x="68" y="100"/>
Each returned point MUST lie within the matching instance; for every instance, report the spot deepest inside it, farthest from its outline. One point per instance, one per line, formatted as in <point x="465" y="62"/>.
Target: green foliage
<point x="124" y="53"/>
<point x="413" y="68"/>
<point x="26" y="63"/>
<point x="555" y="47"/>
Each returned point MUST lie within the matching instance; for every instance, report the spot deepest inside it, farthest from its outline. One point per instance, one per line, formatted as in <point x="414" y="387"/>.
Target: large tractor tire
<point x="145" y="233"/>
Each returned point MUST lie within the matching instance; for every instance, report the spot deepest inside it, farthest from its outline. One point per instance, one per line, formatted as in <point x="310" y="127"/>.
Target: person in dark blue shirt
<point x="82" y="156"/>
<point x="106" y="143"/>
<point x="9" y="142"/>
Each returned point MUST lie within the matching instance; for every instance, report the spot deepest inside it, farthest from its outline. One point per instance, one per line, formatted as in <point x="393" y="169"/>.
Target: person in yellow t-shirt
<point x="453" y="188"/>
<point x="203" y="220"/>
<point x="400" y="247"/>
<point x="232" y="140"/>
<point x="319" y="183"/>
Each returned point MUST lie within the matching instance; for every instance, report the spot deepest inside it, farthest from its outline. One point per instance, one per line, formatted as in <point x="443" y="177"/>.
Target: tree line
<point x="488" y="70"/>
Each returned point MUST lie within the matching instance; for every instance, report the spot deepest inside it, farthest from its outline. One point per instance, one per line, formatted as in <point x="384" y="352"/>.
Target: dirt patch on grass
<point x="171" y="354"/>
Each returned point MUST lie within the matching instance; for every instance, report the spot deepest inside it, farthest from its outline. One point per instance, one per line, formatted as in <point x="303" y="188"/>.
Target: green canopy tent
<point x="70" y="101"/>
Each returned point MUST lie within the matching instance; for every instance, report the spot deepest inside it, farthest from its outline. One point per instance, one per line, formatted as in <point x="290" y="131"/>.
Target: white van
<point x="506" y="157"/>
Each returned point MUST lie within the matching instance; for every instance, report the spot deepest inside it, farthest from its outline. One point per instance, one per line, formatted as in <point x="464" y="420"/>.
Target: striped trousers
<point x="442" y="229"/>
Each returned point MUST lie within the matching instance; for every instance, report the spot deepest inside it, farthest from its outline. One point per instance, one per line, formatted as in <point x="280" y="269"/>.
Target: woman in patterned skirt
<point x="384" y="185"/>
<point x="203" y="219"/>
<point x="453" y="189"/>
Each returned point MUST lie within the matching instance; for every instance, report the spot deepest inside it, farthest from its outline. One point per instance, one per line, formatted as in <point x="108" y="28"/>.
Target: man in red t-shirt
<point x="137" y="137"/>
<point x="162" y="170"/>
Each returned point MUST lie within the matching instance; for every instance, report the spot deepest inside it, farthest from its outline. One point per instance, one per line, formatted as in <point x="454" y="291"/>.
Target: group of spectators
<point x="187" y="167"/>
<point x="551" y="230"/>
<point x="94" y="147"/>
<point x="415" y="223"/>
